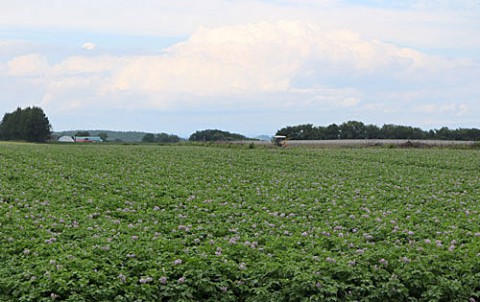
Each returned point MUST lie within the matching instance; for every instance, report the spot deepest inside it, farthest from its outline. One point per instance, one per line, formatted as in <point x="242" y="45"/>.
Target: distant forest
<point x="31" y="124"/>
<point x="358" y="130"/>
<point x="347" y="130"/>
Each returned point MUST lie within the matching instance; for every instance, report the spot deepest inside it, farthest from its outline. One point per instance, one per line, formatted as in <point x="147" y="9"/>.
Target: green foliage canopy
<point x="358" y="130"/>
<point x="160" y="138"/>
<point x="29" y="124"/>
<point x="215" y="135"/>
<point x="184" y="223"/>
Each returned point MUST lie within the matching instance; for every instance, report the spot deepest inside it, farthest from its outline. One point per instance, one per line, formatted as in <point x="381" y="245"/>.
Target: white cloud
<point x="265" y="57"/>
<point x="297" y="67"/>
<point x="429" y="23"/>
<point x="202" y="66"/>
<point x="88" y="46"/>
<point x="240" y="62"/>
<point x="27" y="65"/>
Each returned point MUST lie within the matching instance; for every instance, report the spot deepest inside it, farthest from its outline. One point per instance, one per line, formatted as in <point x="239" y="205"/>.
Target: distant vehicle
<point x="279" y="140"/>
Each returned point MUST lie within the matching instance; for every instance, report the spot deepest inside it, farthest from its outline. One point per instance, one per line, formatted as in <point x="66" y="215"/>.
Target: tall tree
<point x="30" y="124"/>
<point x="332" y="131"/>
<point x="37" y="126"/>
<point x="352" y="130"/>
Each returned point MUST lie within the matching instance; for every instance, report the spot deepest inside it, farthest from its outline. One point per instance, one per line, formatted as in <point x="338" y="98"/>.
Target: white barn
<point x="66" y="139"/>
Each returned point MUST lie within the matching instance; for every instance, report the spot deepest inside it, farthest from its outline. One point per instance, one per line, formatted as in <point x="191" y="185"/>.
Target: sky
<point x="244" y="66"/>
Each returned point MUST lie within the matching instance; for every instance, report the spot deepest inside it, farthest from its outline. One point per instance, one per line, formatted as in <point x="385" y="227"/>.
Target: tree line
<point x="29" y="124"/>
<point x="215" y="135"/>
<point x="32" y="125"/>
<point x="160" y="138"/>
<point x="358" y="130"/>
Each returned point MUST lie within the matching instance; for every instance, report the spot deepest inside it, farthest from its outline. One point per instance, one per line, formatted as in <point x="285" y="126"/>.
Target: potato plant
<point x="189" y="223"/>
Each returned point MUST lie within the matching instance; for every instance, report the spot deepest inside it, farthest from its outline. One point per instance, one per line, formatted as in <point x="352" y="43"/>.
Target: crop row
<point x="158" y="223"/>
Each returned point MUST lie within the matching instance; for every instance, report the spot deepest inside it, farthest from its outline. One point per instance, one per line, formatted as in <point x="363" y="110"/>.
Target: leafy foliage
<point x="215" y="135"/>
<point x="358" y="130"/>
<point x="29" y="124"/>
<point x="160" y="138"/>
<point x="185" y="223"/>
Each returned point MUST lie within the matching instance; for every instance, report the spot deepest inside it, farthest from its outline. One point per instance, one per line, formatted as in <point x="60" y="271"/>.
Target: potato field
<point x="195" y="223"/>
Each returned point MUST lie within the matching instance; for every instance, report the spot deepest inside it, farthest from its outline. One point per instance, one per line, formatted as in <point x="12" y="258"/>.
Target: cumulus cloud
<point x="284" y="64"/>
<point x="264" y="57"/>
<point x="250" y="55"/>
<point x="447" y="23"/>
<point x="27" y="65"/>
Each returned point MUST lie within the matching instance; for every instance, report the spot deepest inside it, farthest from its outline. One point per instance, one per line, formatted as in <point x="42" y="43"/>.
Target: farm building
<point x="88" y="139"/>
<point x="66" y="139"/>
